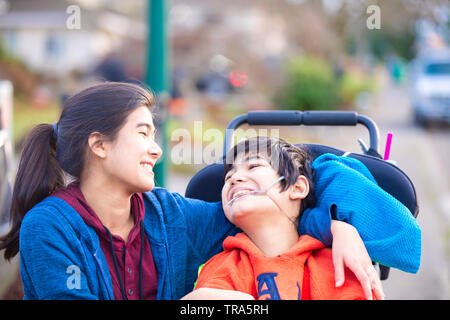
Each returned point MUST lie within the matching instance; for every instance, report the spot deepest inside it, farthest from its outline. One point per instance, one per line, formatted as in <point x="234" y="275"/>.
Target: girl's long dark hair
<point x="49" y="155"/>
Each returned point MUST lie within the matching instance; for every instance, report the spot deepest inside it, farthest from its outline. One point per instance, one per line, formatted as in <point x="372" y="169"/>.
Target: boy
<point x="268" y="184"/>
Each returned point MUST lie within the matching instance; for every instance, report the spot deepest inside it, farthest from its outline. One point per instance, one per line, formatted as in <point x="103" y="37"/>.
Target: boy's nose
<point x="237" y="177"/>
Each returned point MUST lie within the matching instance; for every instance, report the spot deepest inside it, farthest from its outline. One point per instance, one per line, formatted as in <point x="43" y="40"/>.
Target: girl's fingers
<point x="376" y="284"/>
<point x="339" y="275"/>
<point x="365" y="281"/>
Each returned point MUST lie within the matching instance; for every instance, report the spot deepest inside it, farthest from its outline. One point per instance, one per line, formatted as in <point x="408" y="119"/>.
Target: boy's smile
<point x="238" y="192"/>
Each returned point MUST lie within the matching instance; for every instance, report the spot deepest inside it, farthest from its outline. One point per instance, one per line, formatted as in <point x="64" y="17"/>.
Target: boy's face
<point x="249" y="173"/>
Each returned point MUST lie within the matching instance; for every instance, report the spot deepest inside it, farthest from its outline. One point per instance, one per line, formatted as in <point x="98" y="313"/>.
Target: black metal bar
<point x="309" y="118"/>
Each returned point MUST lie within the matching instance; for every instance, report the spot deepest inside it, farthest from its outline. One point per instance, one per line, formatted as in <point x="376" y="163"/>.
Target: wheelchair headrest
<point x="207" y="183"/>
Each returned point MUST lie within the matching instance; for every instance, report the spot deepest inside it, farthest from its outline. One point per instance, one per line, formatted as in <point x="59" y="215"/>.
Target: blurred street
<point x="423" y="155"/>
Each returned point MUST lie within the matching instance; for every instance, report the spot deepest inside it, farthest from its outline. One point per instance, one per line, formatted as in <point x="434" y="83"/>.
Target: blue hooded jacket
<point x="346" y="188"/>
<point x="61" y="258"/>
<point x="57" y="248"/>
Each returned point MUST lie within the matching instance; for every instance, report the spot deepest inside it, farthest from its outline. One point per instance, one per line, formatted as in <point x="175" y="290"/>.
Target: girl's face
<point x="130" y="158"/>
<point x="249" y="173"/>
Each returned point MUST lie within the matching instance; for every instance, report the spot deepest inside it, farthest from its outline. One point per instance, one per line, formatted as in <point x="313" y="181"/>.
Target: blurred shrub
<point x="312" y="84"/>
<point x="353" y="83"/>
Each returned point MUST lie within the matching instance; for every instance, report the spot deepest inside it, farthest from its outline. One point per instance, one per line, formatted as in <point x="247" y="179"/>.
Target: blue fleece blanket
<point x="391" y="234"/>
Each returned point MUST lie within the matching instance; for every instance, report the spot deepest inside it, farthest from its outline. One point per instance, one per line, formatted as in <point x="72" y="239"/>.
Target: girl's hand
<point x="349" y="250"/>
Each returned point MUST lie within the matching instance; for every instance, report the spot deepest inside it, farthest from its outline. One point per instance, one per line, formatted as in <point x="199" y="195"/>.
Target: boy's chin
<point x="242" y="211"/>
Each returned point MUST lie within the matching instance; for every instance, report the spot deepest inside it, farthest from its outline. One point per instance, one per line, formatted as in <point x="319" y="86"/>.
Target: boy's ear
<point x="97" y="144"/>
<point x="300" y="189"/>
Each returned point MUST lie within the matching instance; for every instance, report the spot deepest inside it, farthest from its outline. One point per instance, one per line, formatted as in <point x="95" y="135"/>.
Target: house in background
<point x="36" y="32"/>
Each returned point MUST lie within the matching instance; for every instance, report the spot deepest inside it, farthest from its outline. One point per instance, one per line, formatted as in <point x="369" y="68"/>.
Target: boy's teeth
<point x="240" y="193"/>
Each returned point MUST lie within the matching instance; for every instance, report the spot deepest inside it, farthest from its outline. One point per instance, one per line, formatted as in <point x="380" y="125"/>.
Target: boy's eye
<point x="143" y="133"/>
<point x="254" y="165"/>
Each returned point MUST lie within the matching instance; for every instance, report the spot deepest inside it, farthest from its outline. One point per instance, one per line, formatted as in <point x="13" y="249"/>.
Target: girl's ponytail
<point x="38" y="175"/>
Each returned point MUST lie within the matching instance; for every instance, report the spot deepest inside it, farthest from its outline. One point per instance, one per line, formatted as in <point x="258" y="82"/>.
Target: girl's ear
<point x="97" y="144"/>
<point x="300" y="189"/>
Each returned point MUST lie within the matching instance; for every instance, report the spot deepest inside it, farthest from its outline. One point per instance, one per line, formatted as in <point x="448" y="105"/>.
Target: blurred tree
<point x="12" y="68"/>
<point x="385" y="43"/>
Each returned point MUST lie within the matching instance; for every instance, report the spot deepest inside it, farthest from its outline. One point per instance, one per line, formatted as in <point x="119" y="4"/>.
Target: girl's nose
<point x="155" y="150"/>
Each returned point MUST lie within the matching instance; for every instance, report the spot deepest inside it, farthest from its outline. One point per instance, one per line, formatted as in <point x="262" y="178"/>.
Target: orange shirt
<point x="304" y="272"/>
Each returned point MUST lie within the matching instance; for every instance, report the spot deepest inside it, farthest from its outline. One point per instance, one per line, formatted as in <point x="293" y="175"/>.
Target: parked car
<point x="8" y="270"/>
<point x="430" y="87"/>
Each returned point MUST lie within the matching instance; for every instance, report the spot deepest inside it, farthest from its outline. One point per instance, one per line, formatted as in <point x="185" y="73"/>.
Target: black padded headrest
<point x="207" y="183"/>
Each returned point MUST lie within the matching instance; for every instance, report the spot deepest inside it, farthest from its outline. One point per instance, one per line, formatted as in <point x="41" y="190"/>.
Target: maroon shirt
<point x="127" y="254"/>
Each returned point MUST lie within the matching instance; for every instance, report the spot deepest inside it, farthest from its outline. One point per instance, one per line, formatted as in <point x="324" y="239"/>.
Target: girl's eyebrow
<point x="148" y="125"/>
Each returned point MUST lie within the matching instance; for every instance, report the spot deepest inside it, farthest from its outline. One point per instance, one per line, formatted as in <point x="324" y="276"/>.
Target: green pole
<point x="158" y="75"/>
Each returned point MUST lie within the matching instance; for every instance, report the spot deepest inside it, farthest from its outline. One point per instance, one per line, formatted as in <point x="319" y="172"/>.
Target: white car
<point x="430" y="90"/>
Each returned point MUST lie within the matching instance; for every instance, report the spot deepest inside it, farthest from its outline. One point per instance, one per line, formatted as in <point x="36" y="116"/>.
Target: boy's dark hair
<point x="287" y="159"/>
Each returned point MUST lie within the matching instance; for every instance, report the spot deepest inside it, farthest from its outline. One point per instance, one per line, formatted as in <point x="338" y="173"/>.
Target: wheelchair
<point x="208" y="182"/>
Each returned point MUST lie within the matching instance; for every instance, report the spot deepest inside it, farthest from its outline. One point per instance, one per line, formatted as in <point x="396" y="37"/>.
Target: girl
<point x="105" y="235"/>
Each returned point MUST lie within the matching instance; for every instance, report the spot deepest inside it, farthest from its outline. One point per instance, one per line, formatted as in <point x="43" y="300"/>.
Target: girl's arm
<point x="51" y="263"/>
<point x="349" y="250"/>
<point x="346" y="191"/>
<point x="206" y="224"/>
